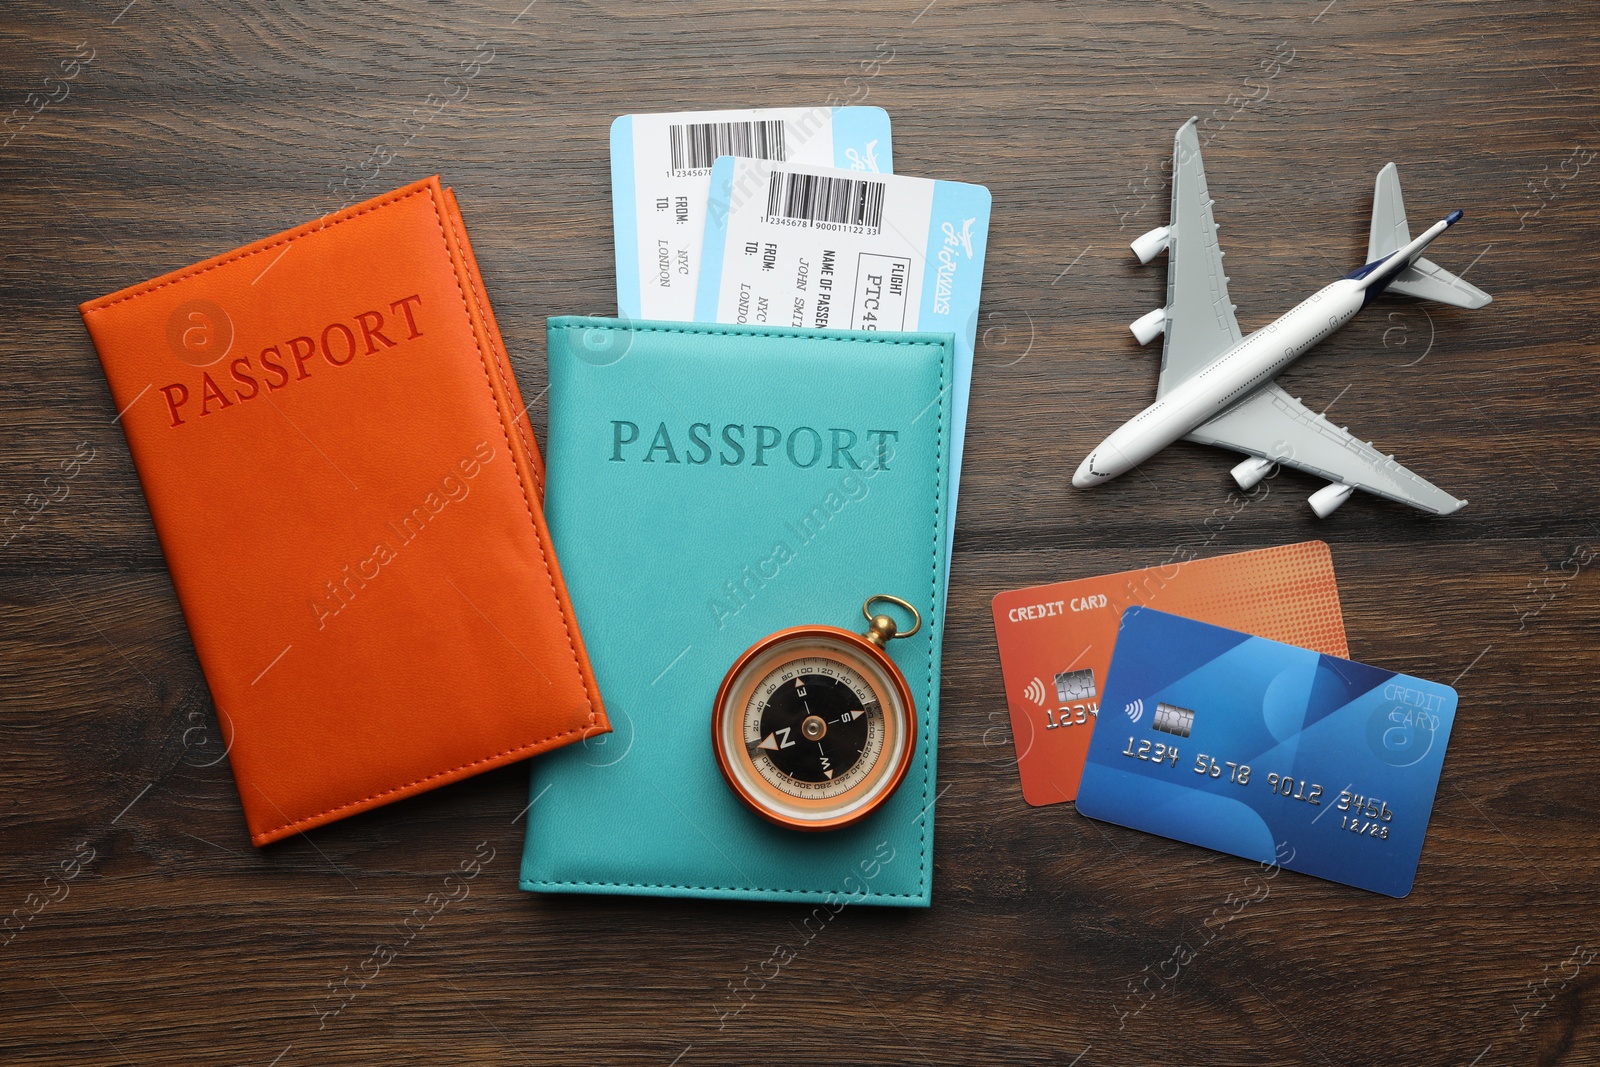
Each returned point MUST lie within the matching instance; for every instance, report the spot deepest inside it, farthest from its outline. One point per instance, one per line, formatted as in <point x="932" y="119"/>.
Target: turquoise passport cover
<point x="708" y="485"/>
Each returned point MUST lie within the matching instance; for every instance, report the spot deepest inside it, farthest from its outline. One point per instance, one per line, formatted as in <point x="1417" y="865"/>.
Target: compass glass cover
<point x="815" y="729"/>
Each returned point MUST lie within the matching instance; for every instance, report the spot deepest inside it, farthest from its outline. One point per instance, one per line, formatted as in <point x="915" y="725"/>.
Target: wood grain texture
<point x="196" y="128"/>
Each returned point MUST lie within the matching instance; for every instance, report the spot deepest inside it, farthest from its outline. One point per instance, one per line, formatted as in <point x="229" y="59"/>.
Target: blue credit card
<point x="1267" y="751"/>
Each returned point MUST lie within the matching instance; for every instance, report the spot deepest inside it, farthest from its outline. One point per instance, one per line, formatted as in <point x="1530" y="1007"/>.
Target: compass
<point x="814" y="726"/>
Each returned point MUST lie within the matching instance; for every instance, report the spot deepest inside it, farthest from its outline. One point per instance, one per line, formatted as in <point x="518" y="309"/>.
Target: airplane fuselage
<point x="1227" y="380"/>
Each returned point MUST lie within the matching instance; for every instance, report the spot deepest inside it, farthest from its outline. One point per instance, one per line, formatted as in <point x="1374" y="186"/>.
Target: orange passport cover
<point x="347" y="490"/>
<point x="1056" y="640"/>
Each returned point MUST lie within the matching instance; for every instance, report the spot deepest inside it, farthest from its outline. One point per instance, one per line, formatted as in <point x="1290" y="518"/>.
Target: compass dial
<point x="814" y="727"/>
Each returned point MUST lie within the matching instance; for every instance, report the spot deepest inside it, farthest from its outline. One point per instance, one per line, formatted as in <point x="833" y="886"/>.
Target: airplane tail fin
<point x="1424" y="279"/>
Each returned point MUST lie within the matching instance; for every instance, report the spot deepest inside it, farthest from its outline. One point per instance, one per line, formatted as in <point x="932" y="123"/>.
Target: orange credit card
<point x="1056" y="640"/>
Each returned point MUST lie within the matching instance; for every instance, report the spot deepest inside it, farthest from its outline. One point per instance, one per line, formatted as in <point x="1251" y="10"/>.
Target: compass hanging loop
<point x="881" y="629"/>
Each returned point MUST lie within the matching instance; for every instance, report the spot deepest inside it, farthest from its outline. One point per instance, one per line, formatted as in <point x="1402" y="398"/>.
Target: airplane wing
<point x="1200" y="322"/>
<point x="1277" y="427"/>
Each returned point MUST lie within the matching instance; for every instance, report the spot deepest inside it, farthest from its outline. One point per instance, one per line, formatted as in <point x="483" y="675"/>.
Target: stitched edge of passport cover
<point x="496" y="343"/>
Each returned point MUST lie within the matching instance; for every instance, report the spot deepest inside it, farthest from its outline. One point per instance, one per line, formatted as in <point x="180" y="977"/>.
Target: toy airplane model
<point x="1217" y="386"/>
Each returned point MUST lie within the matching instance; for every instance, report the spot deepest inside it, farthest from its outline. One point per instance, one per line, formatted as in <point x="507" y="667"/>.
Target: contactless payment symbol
<point x="1134" y="711"/>
<point x="199" y="332"/>
<point x="814" y="726"/>
<point x="1035" y="692"/>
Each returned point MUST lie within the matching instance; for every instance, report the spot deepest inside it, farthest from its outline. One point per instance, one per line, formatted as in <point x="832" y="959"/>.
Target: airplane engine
<point x="1147" y="328"/>
<point x="1249" y="473"/>
<point x="1326" y="501"/>
<point x="1150" y="245"/>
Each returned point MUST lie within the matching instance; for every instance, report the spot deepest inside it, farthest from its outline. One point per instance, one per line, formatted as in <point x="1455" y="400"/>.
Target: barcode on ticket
<point x="696" y="145"/>
<point x="819" y="198"/>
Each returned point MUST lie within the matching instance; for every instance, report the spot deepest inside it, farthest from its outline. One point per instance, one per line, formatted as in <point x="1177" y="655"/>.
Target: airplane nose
<point x="1083" y="479"/>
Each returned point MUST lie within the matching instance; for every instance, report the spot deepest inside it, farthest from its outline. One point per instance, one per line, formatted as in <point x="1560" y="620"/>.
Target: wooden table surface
<point x="191" y="128"/>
